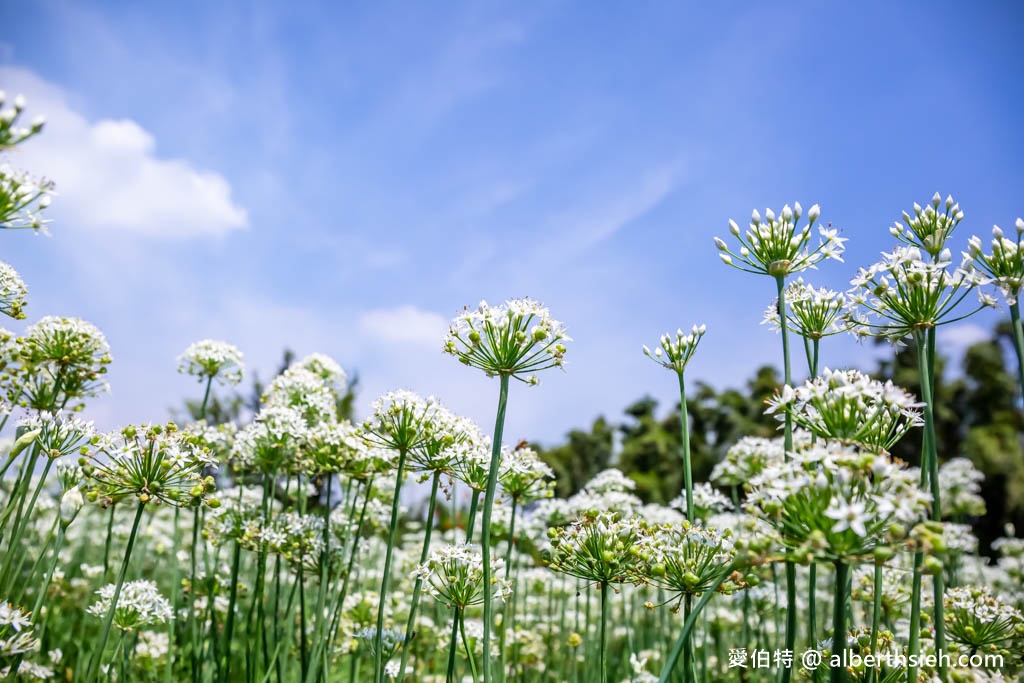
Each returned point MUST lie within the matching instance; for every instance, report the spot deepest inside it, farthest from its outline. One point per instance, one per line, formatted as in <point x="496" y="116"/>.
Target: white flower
<point x="140" y="604"/>
<point x="209" y="359"/>
<point x="13" y="292"/>
<point x="513" y="339"/>
<point x="777" y="247"/>
<point x="848" y="516"/>
<point x="675" y="353"/>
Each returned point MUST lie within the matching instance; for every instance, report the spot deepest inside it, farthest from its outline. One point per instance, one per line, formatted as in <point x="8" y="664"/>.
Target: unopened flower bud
<point x="70" y="503"/>
<point x="813" y="213"/>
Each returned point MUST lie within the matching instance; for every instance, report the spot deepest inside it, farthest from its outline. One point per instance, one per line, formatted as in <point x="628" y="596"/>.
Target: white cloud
<point x="405" y="324"/>
<point x="959" y="337"/>
<point x="109" y="177"/>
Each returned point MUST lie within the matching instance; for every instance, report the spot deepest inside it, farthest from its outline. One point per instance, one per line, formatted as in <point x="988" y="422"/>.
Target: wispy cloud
<point x="110" y="178"/>
<point x="405" y="324"/>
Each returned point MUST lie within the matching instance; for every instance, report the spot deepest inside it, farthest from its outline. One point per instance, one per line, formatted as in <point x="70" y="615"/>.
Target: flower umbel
<point x="675" y="353"/>
<point x="775" y="246"/>
<point x="514" y="339"/>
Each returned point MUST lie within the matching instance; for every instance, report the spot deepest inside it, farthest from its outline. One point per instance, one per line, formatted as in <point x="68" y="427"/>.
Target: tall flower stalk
<point x="778" y="248"/>
<point x="513" y="340"/>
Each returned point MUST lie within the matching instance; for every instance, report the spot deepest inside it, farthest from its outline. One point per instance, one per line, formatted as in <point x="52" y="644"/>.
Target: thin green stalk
<point x="485" y="532"/>
<point x="839" y="622"/>
<point x="677" y="648"/>
<point x="229" y="625"/>
<point x="206" y="398"/>
<point x="876" y="615"/>
<point x="378" y="653"/>
<point x="58" y="544"/>
<point x="791" y="615"/>
<point x="418" y="587"/>
<point x="94" y="664"/>
<point x="689" y="676"/>
<point x="1018" y="342"/>
<point x="684" y="423"/>
<point x="319" y="635"/>
<point x="353" y="548"/>
<point x="469" y="653"/>
<point x="508" y="624"/>
<point x="603" y="644"/>
<point x="926" y="366"/>
<point x="450" y="677"/>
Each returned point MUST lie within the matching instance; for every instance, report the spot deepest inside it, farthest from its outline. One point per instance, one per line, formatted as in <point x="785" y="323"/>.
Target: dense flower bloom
<point x="601" y="548"/>
<point x="850" y="407"/>
<point x="523" y="475"/>
<point x="326" y="368"/>
<point x="13" y="292"/>
<point x="23" y="200"/>
<point x="978" y="619"/>
<point x="402" y="421"/>
<point x="15" y="631"/>
<point x="58" y="434"/>
<point x="930" y="227"/>
<point x="65" y="359"/>
<point x="834" y="502"/>
<point x="155" y="464"/>
<point x="304" y="391"/>
<point x="210" y="359"/>
<point x="516" y="338"/>
<point x="140" y="604"/>
<point x="454" y="575"/>
<point x="775" y="246"/>
<point x="273" y="441"/>
<point x="903" y="294"/>
<point x="707" y="501"/>
<point x="676" y="353"/>
<point x="812" y="313"/>
<point x="1004" y="264"/>
<point x="12" y="132"/>
<point x="960" y="488"/>
<point x="687" y="559"/>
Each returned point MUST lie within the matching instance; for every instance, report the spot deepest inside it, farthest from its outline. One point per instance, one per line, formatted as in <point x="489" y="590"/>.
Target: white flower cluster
<point x="960" y="489"/>
<point x="210" y="359"/>
<point x="13" y="292"/>
<point x="15" y="631"/>
<point x="11" y="132"/>
<point x="514" y="339"/>
<point x="65" y="359"/>
<point x="140" y="604"/>
<point x="153" y="463"/>
<point x="835" y="502"/>
<point x="602" y="548"/>
<point x="707" y="501"/>
<point x="850" y="407"/>
<point x="903" y="294"/>
<point x="23" y="200"/>
<point x="978" y="619"/>
<point x="305" y="391"/>
<point x="775" y="246"/>
<point x="685" y="558"/>
<point x="811" y="312"/>
<point x="929" y="227"/>
<point x="59" y="434"/>
<point x="1003" y="265"/>
<point x="454" y="575"/>
<point x="676" y="353"/>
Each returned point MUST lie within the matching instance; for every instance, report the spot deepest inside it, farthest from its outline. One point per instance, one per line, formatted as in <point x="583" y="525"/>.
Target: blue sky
<point x="342" y="177"/>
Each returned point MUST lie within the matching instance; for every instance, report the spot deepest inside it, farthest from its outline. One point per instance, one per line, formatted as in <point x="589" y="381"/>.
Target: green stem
<point x="677" y="648"/>
<point x="839" y="621"/>
<point x="417" y="588"/>
<point x="812" y="609"/>
<point x="485" y="532"/>
<point x="688" y="673"/>
<point x="49" y="574"/>
<point x="206" y="398"/>
<point x="469" y="653"/>
<point x="229" y="626"/>
<point x="876" y="616"/>
<point x="378" y="653"/>
<point x="1018" y="342"/>
<point x="94" y="664"/>
<point x="684" y="423"/>
<point x="791" y="615"/>
<point x="602" y="659"/>
<point x="450" y="677"/>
